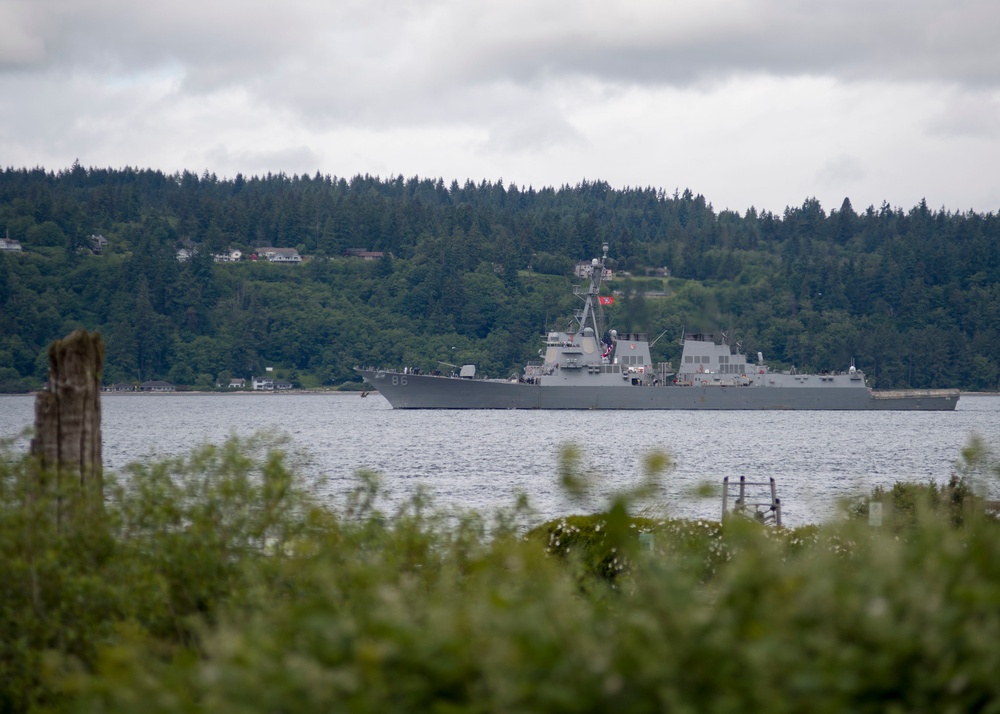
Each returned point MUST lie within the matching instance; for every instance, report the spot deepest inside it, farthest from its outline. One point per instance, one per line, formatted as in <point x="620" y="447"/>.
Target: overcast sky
<point x="761" y="103"/>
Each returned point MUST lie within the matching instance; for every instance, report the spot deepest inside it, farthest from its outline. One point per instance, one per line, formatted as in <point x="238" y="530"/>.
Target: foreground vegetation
<point x="216" y="583"/>
<point x="475" y="273"/>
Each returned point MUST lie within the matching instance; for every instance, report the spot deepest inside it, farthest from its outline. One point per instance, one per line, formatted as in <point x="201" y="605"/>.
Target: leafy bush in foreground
<point x="218" y="585"/>
<point x="963" y="495"/>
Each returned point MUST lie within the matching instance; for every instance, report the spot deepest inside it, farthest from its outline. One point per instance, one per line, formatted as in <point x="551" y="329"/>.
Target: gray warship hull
<point x="420" y="391"/>
<point x="583" y="368"/>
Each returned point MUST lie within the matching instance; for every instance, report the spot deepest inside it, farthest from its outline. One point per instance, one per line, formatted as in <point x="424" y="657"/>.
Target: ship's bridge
<point x="632" y="350"/>
<point x="703" y="354"/>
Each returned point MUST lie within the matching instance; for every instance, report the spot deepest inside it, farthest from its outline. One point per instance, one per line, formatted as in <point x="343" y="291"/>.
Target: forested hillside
<point x="474" y="273"/>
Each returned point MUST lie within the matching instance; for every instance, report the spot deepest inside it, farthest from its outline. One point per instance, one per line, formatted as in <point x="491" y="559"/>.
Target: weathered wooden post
<point x="67" y="442"/>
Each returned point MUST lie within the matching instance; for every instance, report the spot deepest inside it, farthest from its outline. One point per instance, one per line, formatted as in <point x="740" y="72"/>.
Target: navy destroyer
<point x="585" y="368"/>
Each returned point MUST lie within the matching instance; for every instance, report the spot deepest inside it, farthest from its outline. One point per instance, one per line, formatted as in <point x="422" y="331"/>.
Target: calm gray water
<point x="482" y="459"/>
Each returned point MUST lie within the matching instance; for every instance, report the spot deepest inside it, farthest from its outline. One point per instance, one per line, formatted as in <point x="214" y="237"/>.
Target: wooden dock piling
<point x="67" y="441"/>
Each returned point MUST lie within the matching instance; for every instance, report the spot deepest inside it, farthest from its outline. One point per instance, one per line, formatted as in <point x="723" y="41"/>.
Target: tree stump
<point x="67" y="442"/>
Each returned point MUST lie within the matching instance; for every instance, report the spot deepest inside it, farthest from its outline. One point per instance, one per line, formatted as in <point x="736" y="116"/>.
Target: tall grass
<point x="217" y="583"/>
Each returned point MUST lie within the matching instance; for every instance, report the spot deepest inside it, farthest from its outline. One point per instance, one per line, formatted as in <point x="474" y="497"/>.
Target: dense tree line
<point x="474" y="273"/>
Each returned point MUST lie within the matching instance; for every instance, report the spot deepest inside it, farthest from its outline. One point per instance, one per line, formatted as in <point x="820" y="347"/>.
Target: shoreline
<point x="194" y="392"/>
<point x="329" y="392"/>
<point x="246" y="392"/>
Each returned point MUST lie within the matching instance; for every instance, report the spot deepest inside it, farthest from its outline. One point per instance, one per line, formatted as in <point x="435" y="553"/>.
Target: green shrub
<point x="587" y="541"/>
<point x="858" y="621"/>
<point x="217" y="584"/>
<point x="963" y="496"/>
<point x="186" y="539"/>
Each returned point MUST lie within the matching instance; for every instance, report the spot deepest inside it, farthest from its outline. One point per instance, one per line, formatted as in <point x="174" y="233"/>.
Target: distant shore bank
<point x="247" y="392"/>
<point x="329" y="392"/>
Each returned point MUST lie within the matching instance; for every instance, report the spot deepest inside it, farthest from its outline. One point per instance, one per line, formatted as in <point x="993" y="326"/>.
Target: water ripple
<point x="483" y="459"/>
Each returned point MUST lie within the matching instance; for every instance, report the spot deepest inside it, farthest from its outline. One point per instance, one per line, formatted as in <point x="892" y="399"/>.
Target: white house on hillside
<point x="277" y="255"/>
<point x="233" y="256"/>
<point x="263" y="384"/>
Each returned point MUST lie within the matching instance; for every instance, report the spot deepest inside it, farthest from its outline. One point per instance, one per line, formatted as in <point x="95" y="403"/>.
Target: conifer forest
<point x="474" y="273"/>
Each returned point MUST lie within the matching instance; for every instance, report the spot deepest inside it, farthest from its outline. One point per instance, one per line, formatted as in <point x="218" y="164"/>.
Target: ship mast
<point x="596" y="277"/>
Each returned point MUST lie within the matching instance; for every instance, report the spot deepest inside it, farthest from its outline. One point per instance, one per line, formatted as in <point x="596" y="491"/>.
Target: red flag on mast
<point x="606" y="299"/>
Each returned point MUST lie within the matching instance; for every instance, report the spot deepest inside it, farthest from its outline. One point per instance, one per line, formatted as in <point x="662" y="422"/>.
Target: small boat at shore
<point x="587" y="368"/>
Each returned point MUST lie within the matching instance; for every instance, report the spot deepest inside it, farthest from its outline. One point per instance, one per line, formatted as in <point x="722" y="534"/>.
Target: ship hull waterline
<point x="418" y="391"/>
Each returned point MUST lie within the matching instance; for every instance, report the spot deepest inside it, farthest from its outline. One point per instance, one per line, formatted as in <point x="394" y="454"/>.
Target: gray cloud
<point x="296" y="159"/>
<point x="840" y="170"/>
<point x="540" y="89"/>
<point x="968" y="115"/>
<point x="338" y="57"/>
